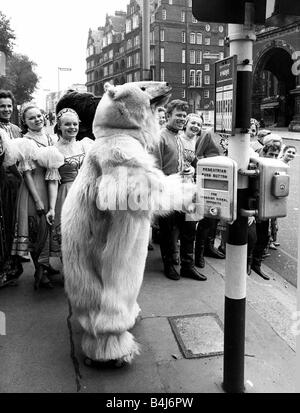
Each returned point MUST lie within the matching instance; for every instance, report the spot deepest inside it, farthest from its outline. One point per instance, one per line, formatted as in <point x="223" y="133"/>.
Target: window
<point x="192" y="78"/>
<point x="183" y="16"/>
<point x="137" y="59"/>
<point x="162" y="74"/>
<point x="221" y="55"/>
<point x="192" y="57"/>
<point x="183" y="37"/>
<point x="183" y="56"/>
<point x="207" y="41"/>
<point x="162" y="54"/>
<point x="111" y="54"/>
<point x="183" y="93"/>
<point x="171" y="2"/>
<point x="206" y="67"/>
<point x="198" y="57"/>
<point x="206" y="94"/>
<point x="129" y="61"/>
<point x="162" y="35"/>
<point x="129" y="44"/>
<point x="136" y="40"/>
<point x="109" y="38"/>
<point x="129" y="78"/>
<point x="221" y="42"/>
<point x="164" y="14"/>
<point x="135" y="21"/>
<point x="190" y="3"/>
<point x="183" y="76"/>
<point x="192" y="38"/>
<point x="111" y="69"/>
<point x="152" y="56"/>
<point x="199" y="38"/>
<point x="194" y="20"/>
<point x="221" y="29"/>
<point x="207" y="27"/>
<point x="128" y="25"/>
<point x="207" y="79"/>
<point x="199" y="78"/>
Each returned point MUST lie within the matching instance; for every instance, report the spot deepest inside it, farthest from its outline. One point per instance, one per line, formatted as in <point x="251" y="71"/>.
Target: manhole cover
<point x="198" y="335"/>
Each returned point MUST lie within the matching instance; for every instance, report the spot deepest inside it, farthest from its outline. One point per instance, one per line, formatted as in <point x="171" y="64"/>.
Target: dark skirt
<point x="10" y="267"/>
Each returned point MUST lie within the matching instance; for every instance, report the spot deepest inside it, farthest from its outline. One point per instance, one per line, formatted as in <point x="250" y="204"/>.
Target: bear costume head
<point x="131" y="108"/>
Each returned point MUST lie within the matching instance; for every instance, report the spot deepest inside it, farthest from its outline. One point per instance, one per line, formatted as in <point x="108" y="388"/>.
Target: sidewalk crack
<point x="75" y="362"/>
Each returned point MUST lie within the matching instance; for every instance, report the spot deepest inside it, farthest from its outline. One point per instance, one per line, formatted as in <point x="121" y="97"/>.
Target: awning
<point x="269" y="105"/>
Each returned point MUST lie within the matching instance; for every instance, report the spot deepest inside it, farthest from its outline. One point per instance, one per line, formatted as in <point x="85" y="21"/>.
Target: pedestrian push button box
<point x="217" y="187"/>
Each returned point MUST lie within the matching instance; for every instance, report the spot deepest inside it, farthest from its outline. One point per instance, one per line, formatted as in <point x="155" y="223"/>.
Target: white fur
<point x="105" y="248"/>
<point x="17" y="150"/>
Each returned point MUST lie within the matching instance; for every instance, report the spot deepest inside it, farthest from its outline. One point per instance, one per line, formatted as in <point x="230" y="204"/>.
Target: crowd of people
<point x="36" y="174"/>
<point x="35" y="181"/>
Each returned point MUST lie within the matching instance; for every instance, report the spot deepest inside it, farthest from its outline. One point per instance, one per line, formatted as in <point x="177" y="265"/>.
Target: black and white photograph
<point x="149" y="199"/>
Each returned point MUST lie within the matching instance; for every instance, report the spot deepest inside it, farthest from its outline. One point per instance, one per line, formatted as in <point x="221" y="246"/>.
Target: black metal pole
<point x="241" y="39"/>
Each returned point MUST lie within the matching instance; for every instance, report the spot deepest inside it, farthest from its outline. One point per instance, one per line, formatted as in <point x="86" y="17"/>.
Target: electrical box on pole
<point x="268" y="188"/>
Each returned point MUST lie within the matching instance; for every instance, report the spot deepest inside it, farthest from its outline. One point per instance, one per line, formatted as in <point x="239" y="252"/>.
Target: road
<point x="284" y="260"/>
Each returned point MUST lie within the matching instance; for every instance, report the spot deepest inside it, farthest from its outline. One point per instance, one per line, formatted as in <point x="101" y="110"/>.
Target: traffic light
<point x="227" y="11"/>
<point x="282" y="12"/>
<point x="270" y="12"/>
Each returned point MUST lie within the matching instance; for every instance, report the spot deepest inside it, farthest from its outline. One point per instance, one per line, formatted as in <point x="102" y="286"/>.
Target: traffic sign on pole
<point x="225" y="95"/>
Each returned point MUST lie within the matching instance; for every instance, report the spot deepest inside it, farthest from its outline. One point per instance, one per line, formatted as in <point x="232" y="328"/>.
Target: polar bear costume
<point x="107" y="214"/>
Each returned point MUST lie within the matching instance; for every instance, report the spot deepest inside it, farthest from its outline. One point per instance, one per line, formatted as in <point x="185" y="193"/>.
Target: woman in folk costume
<point x="36" y="195"/>
<point x="10" y="180"/>
<point x="74" y="152"/>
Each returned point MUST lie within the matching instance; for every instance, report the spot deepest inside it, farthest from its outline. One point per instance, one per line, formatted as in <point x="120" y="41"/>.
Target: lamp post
<point x="61" y="69"/>
<point x="146" y="72"/>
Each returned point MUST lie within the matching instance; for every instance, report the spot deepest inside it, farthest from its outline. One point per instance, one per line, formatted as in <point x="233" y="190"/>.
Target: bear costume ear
<point x="110" y="89"/>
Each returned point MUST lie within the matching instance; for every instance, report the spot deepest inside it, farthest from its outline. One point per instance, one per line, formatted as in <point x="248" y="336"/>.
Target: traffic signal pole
<point x="146" y="75"/>
<point x="241" y="38"/>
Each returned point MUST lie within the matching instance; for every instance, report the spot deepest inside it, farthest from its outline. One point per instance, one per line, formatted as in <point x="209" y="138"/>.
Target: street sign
<point x="227" y="11"/>
<point x="225" y="95"/>
<point x="2" y="64"/>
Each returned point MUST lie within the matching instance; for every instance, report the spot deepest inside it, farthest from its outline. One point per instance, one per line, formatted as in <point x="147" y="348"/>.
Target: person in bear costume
<point x="106" y="219"/>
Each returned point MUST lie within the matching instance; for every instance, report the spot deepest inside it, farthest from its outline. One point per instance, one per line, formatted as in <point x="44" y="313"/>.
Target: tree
<point x="7" y="35"/>
<point x="21" y="78"/>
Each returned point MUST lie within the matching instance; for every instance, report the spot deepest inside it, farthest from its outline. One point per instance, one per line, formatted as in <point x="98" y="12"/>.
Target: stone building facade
<point x="276" y="76"/>
<point x="182" y="52"/>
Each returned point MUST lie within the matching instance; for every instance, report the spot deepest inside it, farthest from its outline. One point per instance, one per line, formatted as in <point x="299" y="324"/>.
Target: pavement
<point x="285" y="133"/>
<point x="41" y="353"/>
